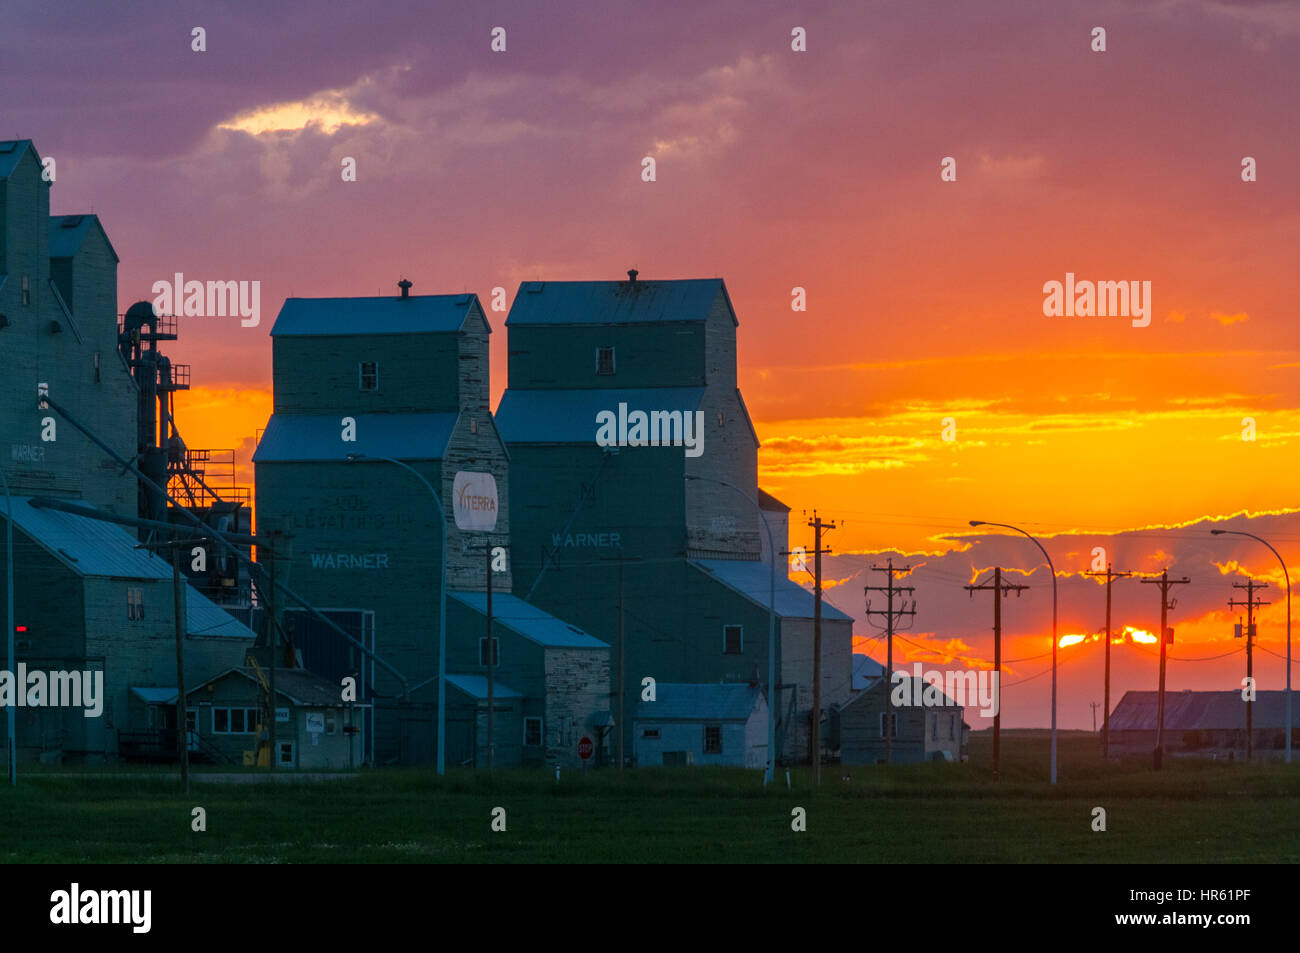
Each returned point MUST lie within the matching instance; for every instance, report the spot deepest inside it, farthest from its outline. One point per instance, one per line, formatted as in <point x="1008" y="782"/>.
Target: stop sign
<point x="585" y="748"/>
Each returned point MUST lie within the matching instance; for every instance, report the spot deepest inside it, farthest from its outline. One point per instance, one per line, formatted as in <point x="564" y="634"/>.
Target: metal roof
<point x="155" y="696"/>
<point x="753" y="579"/>
<point x="68" y="232"/>
<point x="418" y="314"/>
<point x="865" y="671"/>
<point x="675" y="701"/>
<point x="614" y="302"/>
<point x="529" y="621"/>
<point x="298" y="685"/>
<point x="475" y="686"/>
<point x="769" y="503"/>
<point x="205" y="619"/>
<point x="89" y="547"/>
<point x="1192" y="711"/>
<point x="569" y="416"/>
<point x="313" y="437"/>
<point x="11" y="153"/>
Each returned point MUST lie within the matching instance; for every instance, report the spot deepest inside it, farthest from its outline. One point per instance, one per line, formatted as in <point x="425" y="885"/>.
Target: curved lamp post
<point x="442" y="605"/>
<point x="1052" y="570"/>
<point x="771" y="627"/>
<point x="1287" y="577"/>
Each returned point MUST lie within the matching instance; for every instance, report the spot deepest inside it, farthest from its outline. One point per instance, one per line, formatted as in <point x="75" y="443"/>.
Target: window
<point x="890" y="719"/>
<point x="234" y="721"/>
<point x="713" y="739"/>
<point x="733" y="641"/>
<point x="331" y="723"/>
<point x="27" y="291"/>
<point x="368" y="375"/>
<point x="604" y="360"/>
<point x="720" y="418"/>
<point x="134" y="604"/>
<point x="286" y="752"/>
<point x="532" y="730"/>
<point x="650" y="733"/>
<point x="96" y="367"/>
<point x="496" y="652"/>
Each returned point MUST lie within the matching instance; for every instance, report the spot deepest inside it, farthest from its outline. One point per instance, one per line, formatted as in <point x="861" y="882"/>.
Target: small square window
<point x="713" y="739"/>
<point x="496" y="652"/>
<point x="331" y="723"/>
<point x="733" y="642"/>
<point x="27" y="291"/>
<point x="888" y="722"/>
<point x="286" y="752"/>
<point x="368" y="375"/>
<point x="605" y="360"/>
<point x="532" y="730"/>
<point x="650" y="733"/>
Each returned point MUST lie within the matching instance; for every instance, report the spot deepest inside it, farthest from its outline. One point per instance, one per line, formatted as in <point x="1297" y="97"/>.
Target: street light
<point x="9" y="614"/>
<point x="771" y="628"/>
<point x="1287" y="577"/>
<point x="1052" y="570"/>
<point x="442" y="606"/>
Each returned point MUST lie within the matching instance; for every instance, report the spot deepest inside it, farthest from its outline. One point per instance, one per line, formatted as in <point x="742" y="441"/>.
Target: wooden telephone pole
<point x="620" y="559"/>
<point x="891" y="620"/>
<point x="1164" y="582"/>
<point x="999" y="587"/>
<point x="1251" y="603"/>
<point x="1111" y="576"/>
<point x="814" y="729"/>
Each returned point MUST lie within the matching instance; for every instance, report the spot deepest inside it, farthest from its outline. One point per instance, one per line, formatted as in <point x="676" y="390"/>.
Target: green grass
<point x="1192" y="812"/>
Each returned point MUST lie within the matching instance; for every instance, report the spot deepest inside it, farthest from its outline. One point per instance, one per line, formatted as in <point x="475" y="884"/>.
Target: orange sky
<point x="779" y="169"/>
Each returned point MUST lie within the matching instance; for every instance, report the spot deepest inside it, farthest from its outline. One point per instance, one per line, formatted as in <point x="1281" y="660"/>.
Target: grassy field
<point x="1192" y="812"/>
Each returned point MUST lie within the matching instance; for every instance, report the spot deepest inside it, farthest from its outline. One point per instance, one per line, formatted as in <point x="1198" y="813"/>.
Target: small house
<point x="702" y="724"/>
<point x="314" y="728"/>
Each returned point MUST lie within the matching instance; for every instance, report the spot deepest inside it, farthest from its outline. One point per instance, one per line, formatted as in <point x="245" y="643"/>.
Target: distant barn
<point x="1200" y="724"/>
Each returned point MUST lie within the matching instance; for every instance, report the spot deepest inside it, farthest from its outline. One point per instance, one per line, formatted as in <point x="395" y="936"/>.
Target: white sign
<point x="315" y="723"/>
<point x="474" y="499"/>
<point x="281" y="715"/>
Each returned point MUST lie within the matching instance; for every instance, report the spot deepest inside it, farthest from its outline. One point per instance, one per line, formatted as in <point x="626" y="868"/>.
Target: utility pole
<point x="1164" y="582"/>
<point x="1094" y="716"/>
<point x="1250" y="604"/>
<point x="182" y="736"/>
<point x="491" y="653"/>
<point x="620" y="559"/>
<point x="274" y="641"/>
<point x="1111" y="576"/>
<point x="891" y="620"/>
<point x="814" y="729"/>
<point x="999" y="587"/>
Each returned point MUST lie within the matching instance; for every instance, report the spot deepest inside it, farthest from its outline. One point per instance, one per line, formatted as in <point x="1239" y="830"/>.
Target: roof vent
<point x="405" y="285"/>
<point x="631" y="276"/>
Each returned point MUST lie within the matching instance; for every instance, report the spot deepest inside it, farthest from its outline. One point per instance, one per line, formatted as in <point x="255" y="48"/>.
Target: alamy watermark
<point x="213" y="299"/>
<point x="39" y="689"/>
<point x="658" y="428"/>
<point x="973" y="689"/>
<point x="1101" y="299"/>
